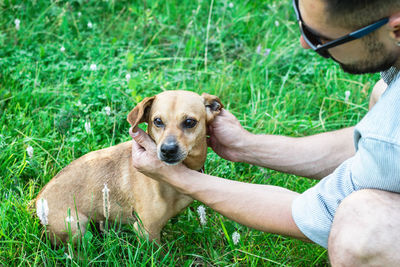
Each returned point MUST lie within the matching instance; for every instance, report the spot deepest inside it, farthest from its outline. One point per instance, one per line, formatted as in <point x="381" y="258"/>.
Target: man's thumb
<point x="142" y="138"/>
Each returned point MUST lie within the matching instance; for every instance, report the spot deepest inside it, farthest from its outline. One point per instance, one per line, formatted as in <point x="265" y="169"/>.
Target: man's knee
<point x="364" y="230"/>
<point x="349" y="235"/>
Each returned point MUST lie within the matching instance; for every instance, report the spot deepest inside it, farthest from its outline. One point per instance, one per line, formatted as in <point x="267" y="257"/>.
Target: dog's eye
<point x="189" y="123"/>
<point x="158" y="123"/>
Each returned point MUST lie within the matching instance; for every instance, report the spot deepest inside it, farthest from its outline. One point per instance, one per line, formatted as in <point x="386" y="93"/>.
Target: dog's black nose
<point x="169" y="149"/>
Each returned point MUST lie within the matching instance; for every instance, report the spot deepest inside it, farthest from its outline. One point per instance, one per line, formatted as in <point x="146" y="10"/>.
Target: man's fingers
<point x="209" y="130"/>
<point x="136" y="148"/>
<point x="226" y="115"/>
<point x="134" y="132"/>
<point x="142" y="138"/>
<point x="131" y="132"/>
<point x="211" y="142"/>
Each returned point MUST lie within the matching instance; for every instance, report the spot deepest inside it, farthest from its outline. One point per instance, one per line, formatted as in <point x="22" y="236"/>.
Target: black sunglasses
<point x="314" y="41"/>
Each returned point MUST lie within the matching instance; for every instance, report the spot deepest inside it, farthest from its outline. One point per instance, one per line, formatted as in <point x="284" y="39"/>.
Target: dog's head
<point x="177" y="122"/>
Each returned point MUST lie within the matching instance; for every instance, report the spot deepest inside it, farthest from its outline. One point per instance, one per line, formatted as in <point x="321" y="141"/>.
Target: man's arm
<point x="313" y="156"/>
<point x="262" y="207"/>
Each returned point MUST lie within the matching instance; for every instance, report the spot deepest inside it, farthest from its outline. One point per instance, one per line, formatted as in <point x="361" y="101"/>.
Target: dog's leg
<point x="64" y="227"/>
<point x="151" y="221"/>
<point x="144" y="233"/>
<point x="150" y="224"/>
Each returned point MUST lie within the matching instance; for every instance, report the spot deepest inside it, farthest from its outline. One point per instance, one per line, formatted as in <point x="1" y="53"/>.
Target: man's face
<point x="369" y="54"/>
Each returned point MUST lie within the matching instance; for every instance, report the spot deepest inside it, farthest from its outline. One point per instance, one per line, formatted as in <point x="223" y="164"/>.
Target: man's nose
<point x="304" y="43"/>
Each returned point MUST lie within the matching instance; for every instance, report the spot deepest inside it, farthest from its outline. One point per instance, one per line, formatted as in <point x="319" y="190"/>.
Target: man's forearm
<point x="313" y="156"/>
<point x="262" y="207"/>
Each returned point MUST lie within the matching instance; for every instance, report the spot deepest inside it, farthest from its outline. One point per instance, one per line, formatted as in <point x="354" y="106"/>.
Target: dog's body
<point x="104" y="185"/>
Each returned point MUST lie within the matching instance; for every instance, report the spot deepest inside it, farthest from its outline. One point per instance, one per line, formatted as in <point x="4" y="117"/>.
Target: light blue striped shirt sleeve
<point x="375" y="165"/>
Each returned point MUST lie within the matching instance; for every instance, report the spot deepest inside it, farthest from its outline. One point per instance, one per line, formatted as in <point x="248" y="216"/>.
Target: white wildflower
<point x="235" y="238"/>
<point x="17" y="23"/>
<point x="29" y="150"/>
<point x="79" y="14"/>
<point x="230" y="5"/>
<point x="90" y="25"/>
<point x="69" y="219"/>
<point x="87" y="127"/>
<point x="277" y="23"/>
<point x="347" y="96"/>
<point x="106" y="201"/>
<point x="70" y="252"/>
<point x="93" y="67"/>
<point x="128" y="77"/>
<point x="267" y="51"/>
<point x="62" y="49"/>
<point x="108" y="111"/>
<point x="202" y="214"/>
<point x="42" y="211"/>
<point x="258" y="50"/>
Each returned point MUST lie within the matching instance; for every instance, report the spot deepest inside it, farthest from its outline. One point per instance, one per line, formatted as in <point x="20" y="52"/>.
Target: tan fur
<point x="75" y="193"/>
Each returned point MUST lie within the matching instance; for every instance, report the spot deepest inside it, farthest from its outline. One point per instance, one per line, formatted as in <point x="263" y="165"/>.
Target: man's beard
<point x="378" y="59"/>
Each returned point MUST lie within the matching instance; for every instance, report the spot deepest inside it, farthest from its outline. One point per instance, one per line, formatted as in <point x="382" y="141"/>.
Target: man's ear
<point x="394" y="24"/>
<point x="213" y="106"/>
<point x="141" y="112"/>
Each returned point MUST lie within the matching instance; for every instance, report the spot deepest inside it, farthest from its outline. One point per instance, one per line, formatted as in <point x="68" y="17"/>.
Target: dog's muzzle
<point x="170" y="152"/>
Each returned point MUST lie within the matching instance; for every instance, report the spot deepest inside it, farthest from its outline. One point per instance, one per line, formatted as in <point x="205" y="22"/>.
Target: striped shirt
<point x="376" y="165"/>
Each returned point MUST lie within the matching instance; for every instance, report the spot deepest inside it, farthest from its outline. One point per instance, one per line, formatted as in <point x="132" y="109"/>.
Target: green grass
<point x="47" y="95"/>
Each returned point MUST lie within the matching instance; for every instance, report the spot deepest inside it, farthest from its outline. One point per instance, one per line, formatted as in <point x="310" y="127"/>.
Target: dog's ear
<point x="141" y="112"/>
<point x="213" y="106"/>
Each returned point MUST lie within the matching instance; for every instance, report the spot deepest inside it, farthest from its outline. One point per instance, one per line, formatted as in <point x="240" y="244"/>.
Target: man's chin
<point x="367" y="67"/>
<point x="356" y="70"/>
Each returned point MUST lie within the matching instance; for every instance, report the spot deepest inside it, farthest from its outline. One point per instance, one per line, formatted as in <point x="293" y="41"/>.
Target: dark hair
<point x="359" y="13"/>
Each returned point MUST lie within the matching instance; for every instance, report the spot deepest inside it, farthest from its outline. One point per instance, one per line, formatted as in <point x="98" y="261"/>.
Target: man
<point x="354" y="211"/>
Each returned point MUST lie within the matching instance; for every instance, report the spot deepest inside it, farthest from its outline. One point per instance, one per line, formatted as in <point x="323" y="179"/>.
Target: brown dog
<point x="103" y="184"/>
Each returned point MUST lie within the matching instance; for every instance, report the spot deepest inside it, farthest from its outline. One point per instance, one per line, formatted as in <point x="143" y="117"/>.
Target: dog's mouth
<point x="170" y="151"/>
<point x="171" y="162"/>
<point x="171" y="159"/>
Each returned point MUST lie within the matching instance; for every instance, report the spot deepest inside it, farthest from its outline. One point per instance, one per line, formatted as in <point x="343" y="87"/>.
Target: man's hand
<point x="144" y="156"/>
<point x="227" y="136"/>
<point x="238" y="201"/>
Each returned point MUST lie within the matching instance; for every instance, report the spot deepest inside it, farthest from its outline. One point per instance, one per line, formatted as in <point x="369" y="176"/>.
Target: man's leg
<point x="366" y="230"/>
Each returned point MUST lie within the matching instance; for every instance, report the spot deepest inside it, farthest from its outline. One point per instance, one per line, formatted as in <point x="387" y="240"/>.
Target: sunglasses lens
<point x="324" y="54"/>
<point x="313" y="41"/>
<point x="311" y="38"/>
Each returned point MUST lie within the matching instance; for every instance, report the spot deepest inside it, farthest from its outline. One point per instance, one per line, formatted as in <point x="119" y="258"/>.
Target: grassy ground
<point x="69" y="60"/>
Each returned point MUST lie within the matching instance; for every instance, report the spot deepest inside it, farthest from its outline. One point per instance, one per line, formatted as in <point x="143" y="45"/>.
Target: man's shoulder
<point x="382" y="121"/>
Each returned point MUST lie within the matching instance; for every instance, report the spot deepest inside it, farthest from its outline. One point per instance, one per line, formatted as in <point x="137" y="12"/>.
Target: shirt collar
<point x="390" y="75"/>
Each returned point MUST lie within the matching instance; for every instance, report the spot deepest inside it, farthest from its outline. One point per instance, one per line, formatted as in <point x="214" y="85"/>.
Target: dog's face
<point x="177" y="122"/>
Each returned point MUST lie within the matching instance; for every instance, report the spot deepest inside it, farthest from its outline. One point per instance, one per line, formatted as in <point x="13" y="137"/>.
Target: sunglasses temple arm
<point x="364" y="31"/>
<point x="354" y="35"/>
<point x="337" y="42"/>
